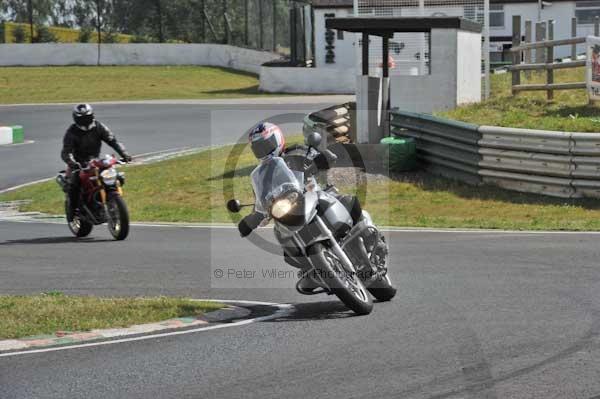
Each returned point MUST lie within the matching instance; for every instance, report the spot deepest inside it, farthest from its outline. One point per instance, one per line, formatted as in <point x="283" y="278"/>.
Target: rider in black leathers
<point x="82" y="142"/>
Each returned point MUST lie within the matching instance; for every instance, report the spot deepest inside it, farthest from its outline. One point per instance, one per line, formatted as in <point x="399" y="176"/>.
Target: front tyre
<point x="346" y="286"/>
<point x="79" y="227"/>
<point x="382" y="289"/>
<point x="118" y="218"/>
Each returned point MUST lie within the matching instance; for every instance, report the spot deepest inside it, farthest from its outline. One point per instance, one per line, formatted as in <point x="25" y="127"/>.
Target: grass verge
<point x="195" y="188"/>
<point x="105" y="83"/>
<point x="569" y="111"/>
<point x="26" y="316"/>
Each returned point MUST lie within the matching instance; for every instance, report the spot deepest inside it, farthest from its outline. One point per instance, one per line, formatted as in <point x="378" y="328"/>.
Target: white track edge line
<point x="282" y="310"/>
<point x="57" y="220"/>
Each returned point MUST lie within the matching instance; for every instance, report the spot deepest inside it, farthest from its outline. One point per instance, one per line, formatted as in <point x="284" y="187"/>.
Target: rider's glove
<point x="325" y="160"/>
<point x="249" y="223"/>
<point x="74" y="165"/>
<point x="244" y="227"/>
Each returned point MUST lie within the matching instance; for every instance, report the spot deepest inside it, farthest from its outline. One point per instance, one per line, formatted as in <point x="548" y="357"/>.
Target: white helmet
<point x="266" y="140"/>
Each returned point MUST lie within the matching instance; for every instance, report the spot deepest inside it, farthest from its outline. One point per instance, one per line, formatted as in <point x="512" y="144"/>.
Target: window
<point x="496" y="16"/>
<point x="587" y="11"/>
<point x="340" y="35"/>
<point x="474" y="12"/>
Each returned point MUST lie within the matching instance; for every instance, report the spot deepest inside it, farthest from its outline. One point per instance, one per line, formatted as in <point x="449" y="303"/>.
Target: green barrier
<point x="401" y="154"/>
<point x="18" y="134"/>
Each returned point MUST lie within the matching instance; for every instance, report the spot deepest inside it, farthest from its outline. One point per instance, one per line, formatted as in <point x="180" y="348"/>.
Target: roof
<point x="332" y="3"/>
<point x="378" y="3"/>
<point x="383" y="25"/>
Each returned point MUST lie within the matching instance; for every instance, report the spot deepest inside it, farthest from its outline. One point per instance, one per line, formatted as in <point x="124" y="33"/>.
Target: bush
<point x="110" y="37"/>
<point x="85" y="35"/>
<point x="140" y="39"/>
<point x="19" y="34"/>
<point x="44" y="35"/>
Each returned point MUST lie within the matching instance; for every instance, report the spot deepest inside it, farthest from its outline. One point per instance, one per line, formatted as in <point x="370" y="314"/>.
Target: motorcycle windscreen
<point x="270" y="179"/>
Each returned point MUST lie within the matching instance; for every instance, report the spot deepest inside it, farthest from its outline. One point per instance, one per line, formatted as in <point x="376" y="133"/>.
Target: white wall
<point x="455" y="75"/>
<point x="345" y="55"/>
<point x="307" y="80"/>
<point x="468" y="85"/>
<point x="134" y="54"/>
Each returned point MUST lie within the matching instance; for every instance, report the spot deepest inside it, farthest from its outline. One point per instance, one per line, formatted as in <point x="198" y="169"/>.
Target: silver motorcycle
<point x="336" y="254"/>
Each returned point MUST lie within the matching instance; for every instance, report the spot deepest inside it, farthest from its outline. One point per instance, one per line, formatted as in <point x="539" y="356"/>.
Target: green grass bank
<point x="19" y="85"/>
<point x="195" y="188"/>
<point x="26" y="316"/>
<point x="569" y="111"/>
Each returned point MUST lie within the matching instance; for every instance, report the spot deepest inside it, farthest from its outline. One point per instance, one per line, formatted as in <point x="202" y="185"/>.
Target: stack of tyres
<point x="400" y="154"/>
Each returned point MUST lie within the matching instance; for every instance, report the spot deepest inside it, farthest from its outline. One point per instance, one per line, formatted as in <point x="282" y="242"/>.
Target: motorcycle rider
<point x="268" y="145"/>
<point x="82" y="142"/>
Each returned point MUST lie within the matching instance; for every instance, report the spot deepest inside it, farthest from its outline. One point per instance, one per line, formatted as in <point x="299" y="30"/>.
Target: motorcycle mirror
<point x="314" y="140"/>
<point x="234" y="206"/>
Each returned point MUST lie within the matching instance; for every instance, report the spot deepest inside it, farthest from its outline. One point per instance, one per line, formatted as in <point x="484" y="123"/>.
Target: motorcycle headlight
<point x="288" y="208"/>
<point x="109" y="176"/>
<point x="281" y="208"/>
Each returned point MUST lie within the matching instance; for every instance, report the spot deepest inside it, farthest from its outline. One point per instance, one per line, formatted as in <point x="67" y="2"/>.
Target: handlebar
<point x="80" y="167"/>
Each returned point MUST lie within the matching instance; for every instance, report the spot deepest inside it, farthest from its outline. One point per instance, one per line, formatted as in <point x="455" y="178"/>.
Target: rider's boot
<point x="308" y="282"/>
<point x="73" y="208"/>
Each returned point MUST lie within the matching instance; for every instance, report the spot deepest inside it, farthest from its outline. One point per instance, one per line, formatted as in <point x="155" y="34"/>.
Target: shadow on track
<point x="317" y="311"/>
<point x="53" y="240"/>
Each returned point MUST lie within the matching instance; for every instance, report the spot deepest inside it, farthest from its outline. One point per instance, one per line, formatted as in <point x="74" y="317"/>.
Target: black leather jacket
<point x="81" y="146"/>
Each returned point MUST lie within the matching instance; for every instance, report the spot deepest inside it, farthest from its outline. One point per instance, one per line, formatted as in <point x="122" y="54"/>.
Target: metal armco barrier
<point x="560" y="164"/>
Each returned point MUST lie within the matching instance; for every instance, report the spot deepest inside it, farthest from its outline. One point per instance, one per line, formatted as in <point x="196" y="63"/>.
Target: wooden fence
<point x="543" y="59"/>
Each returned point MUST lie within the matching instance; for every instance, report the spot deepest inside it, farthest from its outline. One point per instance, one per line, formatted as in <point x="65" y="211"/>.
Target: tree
<point x="18" y="34"/>
<point x="44" y="11"/>
<point x="44" y="35"/>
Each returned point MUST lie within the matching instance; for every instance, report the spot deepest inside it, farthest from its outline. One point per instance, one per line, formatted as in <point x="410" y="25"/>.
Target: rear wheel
<point x="345" y="285"/>
<point x="118" y="218"/>
<point x="79" y="227"/>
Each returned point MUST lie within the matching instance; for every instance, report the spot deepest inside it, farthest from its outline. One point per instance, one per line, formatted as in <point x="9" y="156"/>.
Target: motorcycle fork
<point x="337" y="249"/>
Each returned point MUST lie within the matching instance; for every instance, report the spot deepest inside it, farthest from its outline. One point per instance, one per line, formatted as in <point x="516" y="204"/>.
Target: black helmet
<point x="83" y="116"/>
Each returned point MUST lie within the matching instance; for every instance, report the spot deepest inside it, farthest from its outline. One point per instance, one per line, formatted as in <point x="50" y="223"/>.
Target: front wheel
<point x="118" y="218"/>
<point x="79" y="227"/>
<point x="382" y="289"/>
<point x="345" y="285"/>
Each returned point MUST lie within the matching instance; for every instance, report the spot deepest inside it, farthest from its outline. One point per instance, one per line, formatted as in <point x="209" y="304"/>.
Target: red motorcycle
<point x="101" y="198"/>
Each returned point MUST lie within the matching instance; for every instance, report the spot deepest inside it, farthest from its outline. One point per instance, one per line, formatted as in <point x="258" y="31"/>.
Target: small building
<point x="329" y="57"/>
<point x="340" y="51"/>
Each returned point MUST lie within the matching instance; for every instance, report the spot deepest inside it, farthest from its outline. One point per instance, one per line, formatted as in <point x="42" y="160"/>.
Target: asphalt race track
<point x="142" y="127"/>
<point x="478" y="315"/>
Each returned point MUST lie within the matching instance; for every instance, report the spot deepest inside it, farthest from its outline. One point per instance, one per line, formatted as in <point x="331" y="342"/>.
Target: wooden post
<point x="246" y="26"/>
<point x="516" y="56"/>
<point x="30" y="16"/>
<point x="528" y="39"/>
<point x="261" y="25"/>
<point x="99" y="27"/>
<point x="365" y="54"/>
<point x="540" y="35"/>
<point x="550" y="60"/>
<point x="574" y="34"/>
<point x="293" y="36"/>
<point x="225" y="26"/>
<point x="275" y="26"/>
